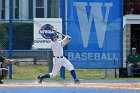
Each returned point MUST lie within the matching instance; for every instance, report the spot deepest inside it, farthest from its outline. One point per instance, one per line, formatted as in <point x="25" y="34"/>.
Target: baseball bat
<point x="55" y="30"/>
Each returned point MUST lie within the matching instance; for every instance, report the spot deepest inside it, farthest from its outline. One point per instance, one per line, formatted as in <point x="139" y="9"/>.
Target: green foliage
<point x="3" y="36"/>
<point x="22" y="36"/>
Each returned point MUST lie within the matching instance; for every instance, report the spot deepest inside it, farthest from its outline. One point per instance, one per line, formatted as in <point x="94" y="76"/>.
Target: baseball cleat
<point x="39" y="79"/>
<point x="76" y="81"/>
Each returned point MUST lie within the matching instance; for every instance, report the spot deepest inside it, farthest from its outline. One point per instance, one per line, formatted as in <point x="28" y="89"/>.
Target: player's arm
<point x="8" y="61"/>
<point x="138" y="60"/>
<point x="66" y="40"/>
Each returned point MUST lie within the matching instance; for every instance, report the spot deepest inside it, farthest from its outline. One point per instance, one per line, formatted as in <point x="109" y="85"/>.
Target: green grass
<point x="31" y="72"/>
<point x="28" y="72"/>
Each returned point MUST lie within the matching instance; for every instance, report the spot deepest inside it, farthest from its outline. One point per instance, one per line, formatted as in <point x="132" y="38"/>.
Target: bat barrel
<point x="58" y="32"/>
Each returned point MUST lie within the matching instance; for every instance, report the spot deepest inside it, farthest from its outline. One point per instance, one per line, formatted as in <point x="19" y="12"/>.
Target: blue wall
<point x="96" y="30"/>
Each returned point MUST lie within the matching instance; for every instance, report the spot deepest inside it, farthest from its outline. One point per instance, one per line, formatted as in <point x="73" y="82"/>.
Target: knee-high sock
<point x="45" y="76"/>
<point x="73" y="74"/>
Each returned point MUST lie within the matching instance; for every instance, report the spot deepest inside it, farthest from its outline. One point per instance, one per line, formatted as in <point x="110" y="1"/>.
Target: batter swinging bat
<point x="55" y="30"/>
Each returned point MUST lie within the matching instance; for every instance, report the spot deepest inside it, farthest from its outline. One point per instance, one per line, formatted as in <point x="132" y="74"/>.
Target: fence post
<point x="115" y="68"/>
<point x="10" y="35"/>
<point x="50" y="60"/>
<point x="62" y="14"/>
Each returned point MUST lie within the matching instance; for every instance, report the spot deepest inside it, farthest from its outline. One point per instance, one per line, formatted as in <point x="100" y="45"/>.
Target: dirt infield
<point x="98" y="85"/>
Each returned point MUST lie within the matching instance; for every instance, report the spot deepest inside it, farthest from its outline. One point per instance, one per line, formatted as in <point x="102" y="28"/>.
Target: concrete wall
<point x="126" y="42"/>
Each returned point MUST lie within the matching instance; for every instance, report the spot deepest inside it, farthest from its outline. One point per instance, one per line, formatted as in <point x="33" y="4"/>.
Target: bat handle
<point x="62" y="34"/>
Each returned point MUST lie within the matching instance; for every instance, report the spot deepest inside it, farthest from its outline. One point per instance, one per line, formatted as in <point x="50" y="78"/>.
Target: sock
<point x="73" y="74"/>
<point x="45" y="76"/>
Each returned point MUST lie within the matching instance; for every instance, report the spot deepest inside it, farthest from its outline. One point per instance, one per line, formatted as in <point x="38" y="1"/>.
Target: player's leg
<point x="3" y="74"/>
<point x="55" y="70"/>
<point x="70" y="67"/>
<point x="129" y="70"/>
<point x="1" y="82"/>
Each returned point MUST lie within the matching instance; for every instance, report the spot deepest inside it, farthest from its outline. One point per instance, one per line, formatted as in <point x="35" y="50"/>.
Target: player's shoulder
<point x="138" y="55"/>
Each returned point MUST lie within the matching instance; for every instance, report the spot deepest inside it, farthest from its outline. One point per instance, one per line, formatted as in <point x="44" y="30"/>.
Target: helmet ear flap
<point x="52" y="39"/>
<point x="53" y="35"/>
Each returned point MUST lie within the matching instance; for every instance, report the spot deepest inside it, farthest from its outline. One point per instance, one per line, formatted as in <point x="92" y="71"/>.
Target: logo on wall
<point x="42" y="31"/>
<point x="46" y="30"/>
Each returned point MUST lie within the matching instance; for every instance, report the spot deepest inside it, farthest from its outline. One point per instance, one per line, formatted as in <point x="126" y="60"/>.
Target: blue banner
<point x="96" y="30"/>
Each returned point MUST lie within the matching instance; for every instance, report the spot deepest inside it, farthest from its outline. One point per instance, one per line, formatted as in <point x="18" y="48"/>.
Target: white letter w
<point x="85" y="22"/>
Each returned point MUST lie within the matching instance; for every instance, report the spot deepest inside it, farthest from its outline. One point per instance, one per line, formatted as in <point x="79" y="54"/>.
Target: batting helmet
<point x="53" y="35"/>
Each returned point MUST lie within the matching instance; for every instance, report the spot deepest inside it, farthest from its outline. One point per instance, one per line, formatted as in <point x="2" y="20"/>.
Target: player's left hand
<point x="69" y="38"/>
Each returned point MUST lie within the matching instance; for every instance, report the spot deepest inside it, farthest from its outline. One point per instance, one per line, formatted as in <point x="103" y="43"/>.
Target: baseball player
<point x="58" y="58"/>
<point x="4" y="68"/>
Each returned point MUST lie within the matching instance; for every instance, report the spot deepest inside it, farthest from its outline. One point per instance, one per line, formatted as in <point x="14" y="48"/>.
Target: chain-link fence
<point x="29" y="62"/>
<point x="16" y="23"/>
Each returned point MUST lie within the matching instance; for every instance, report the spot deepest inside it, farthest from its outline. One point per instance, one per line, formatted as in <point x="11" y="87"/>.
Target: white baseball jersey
<point x="57" y="48"/>
<point x="58" y="59"/>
